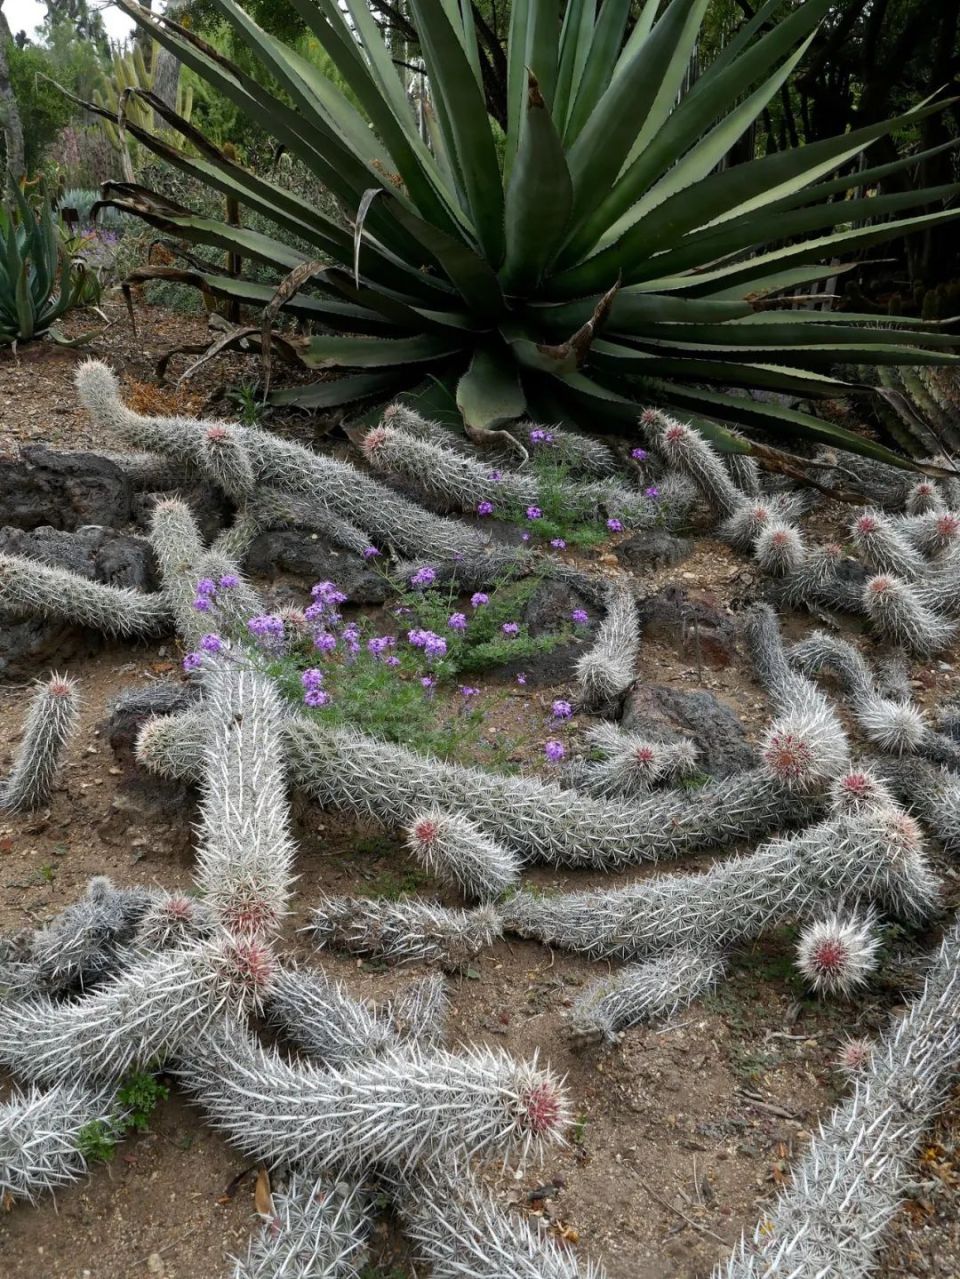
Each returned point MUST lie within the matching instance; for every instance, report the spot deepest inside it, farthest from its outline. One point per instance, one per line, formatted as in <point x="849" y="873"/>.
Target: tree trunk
<point x="9" y="111"/>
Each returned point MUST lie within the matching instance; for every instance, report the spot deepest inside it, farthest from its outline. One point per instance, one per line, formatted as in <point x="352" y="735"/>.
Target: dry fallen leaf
<point x="262" y="1198"/>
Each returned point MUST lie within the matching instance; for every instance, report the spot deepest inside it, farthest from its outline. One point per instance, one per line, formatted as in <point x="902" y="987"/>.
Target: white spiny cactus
<point x="42" y="1136"/>
<point x="317" y="1230"/>
<point x="392" y="521"/>
<point x="898" y="612"/>
<point x="876" y="855"/>
<point x="819" y="581"/>
<point x="923" y="498"/>
<point x="830" y="1218"/>
<point x="82" y="945"/>
<point x="456" y="851"/>
<point x="270" y="508"/>
<point x="933" y="793"/>
<point x="686" y="450"/>
<point x="49" y="724"/>
<point x="640" y="992"/>
<point x="320" y="1017"/>
<point x="883" y="549"/>
<point x="245" y="854"/>
<point x="934" y="534"/>
<point x="136" y="1017"/>
<point x="858" y="790"/>
<point x="460" y="1232"/>
<point x="391" y="1112"/>
<point x="891" y="725"/>
<point x="608" y="668"/>
<point x="184" y="563"/>
<point x="149" y="472"/>
<point x="632" y="765"/>
<point x="837" y="953"/>
<point x="31" y="589"/>
<point x="853" y="1056"/>
<point x="420" y="1011"/>
<point x="407" y="931"/>
<point x="744" y="471"/>
<point x="340" y="768"/>
<point x="779" y="549"/>
<point x="172" y="920"/>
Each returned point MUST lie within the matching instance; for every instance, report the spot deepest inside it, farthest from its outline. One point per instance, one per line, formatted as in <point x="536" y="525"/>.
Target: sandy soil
<point x="683" y="1130"/>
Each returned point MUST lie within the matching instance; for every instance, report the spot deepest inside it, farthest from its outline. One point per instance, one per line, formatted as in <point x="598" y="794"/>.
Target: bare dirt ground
<point x="683" y="1130"/>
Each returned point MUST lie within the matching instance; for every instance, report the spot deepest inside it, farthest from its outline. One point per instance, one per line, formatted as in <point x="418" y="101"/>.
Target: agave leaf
<point x="601" y="60"/>
<point x="489" y="393"/>
<point x="325" y="352"/>
<point x="342" y="390"/>
<point x="543" y="47"/>
<point x="575" y="39"/>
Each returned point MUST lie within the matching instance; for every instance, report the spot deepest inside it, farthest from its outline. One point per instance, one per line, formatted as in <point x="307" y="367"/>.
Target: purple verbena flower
<point x="192" y="661"/>
<point x="534" y="513"/>
<point x="457" y="622"/>
<point x="206" y="586"/>
<point x="521" y="678"/>
<point x="268" y="627"/>
<point x="539" y="436"/>
<point x="211" y="644"/>
<point x="580" y="616"/>
<point x="379" y="645"/>
<point x="478" y="599"/>
<point x="652" y="491"/>
<point x="312" y="678"/>
<point x="524" y="537"/>
<point x="615" y="526"/>
<point x="554" y="751"/>
<point x="425" y="576"/>
<point x="558" y="543"/>
<point x="228" y="581"/>
<point x="369" y="552"/>
<point x="434" y="646"/>
<point x="324" y="641"/>
<point x="561" y="709"/>
<point x="639" y="455"/>
<point x="495" y="477"/>
<point x="511" y="628"/>
<point x="202" y="604"/>
<point x="316" y="697"/>
<point x="466" y="692"/>
<point x="484" y="508"/>
<point x="391" y="661"/>
<point x="327" y="593"/>
<point x="427" y="681"/>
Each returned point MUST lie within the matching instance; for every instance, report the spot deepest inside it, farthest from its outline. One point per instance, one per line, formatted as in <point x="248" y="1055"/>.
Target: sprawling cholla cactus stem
<point x="876" y="855"/>
<point x="459" y="853"/>
<point x="137" y="1017"/>
<point x="49" y="725"/>
<point x="820" y="580"/>
<point x="933" y="793"/>
<point x="320" y="1017"/>
<point x="744" y="471"/>
<point x="779" y="549"/>
<point x="790" y="693"/>
<point x="656" y="988"/>
<point x="172" y="920"/>
<point x="391" y="520"/>
<point x="882" y="547"/>
<point x="83" y="944"/>
<point x="607" y="669"/>
<point x="149" y="472"/>
<point x="31" y="589"/>
<point x="317" y="1230"/>
<point x="344" y="769"/>
<point x="42" y="1136"/>
<point x="461" y="1233"/>
<point x="409" y="930"/>
<point x="934" y="534"/>
<point x="420" y="1011"/>
<point x="923" y="498"/>
<point x="245" y="854"/>
<point x="830" y="1219"/>
<point x="858" y="790"/>
<point x="898" y="612"/>
<point x="184" y="563"/>
<point x="391" y="1112"/>
<point x="686" y="450"/>
<point x="270" y="508"/>
<point x="632" y="765"/>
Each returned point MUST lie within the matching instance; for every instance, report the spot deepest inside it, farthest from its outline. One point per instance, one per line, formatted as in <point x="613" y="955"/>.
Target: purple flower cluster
<point x="580" y="616"/>
<point x="379" y="645"/>
<point x="534" y="513"/>
<point x="433" y="645"/>
<point x="554" y="751"/>
<point x="267" y="629"/>
<point x="425" y="576"/>
<point x="639" y="455"/>
<point x="558" y="543"/>
<point x="314" y="693"/>
<point x="484" y="508"/>
<point x="211" y="643"/>
<point x="207" y="590"/>
<point x="652" y="491"/>
<point x="466" y="692"/>
<point x="561" y="709"/>
<point x="615" y="526"/>
<point x="478" y="599"/>
<point x="539" y="436"/>
<point x="457" y="621"/>
<point x="324" y="641"/>
<point x="369" y="552"/>
<point x="192" y="662"/>
<point x="511" y="628"/>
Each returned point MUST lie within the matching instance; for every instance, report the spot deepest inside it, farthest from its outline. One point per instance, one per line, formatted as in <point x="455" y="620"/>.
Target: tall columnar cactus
<point x="464" y="482"/>
<point x="686" y="450"/>
<point x="883" y="549"/>
<point x="42" y="1136"/>
<point x="630" y="764"/>
<point x="608" y="668"/>
<point x="409" y="930"/>
<point x="343" y="769"/>
<point x="837" y="953"/>
<point x="639" y="992"/>
<point x="898" y="612"/>
<point x="31" y="589"/>
<point x="390" y="1113"/>
<point x="460" y="1232"/>
<point x="137" y="1017"/>
<point x="317" y="1230"/>
<point x="184" y="563"/>
<point x="830" y="1218"/>
<point x="83" y="944"/>
<point x="245" y="854"/>
<point x="320" y="1017"/>
<point x="876" y="855"/>
<point x="393" y="521"/>
<point x="49" y="725"/>
<point x="456" y="851"/>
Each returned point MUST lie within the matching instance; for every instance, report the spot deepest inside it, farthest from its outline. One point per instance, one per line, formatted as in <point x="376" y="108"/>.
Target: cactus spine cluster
<point x="409" y="930"/>
<point x="639" y="992"/>
<point x="42" y="1136"/>
<point x="49" y="725"/>
<point x="836" y="954"/>
<point x="459" y="853"/>
<point x="898" y="613"/>
<point x="317" y="1230"/>
<point x="31" y="589"/>
<point x="630" y="764"/>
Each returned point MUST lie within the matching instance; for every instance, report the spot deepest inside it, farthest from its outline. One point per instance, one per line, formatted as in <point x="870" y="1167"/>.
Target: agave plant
<point x="39" y="282"/>
<point x="592" y="257"/>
